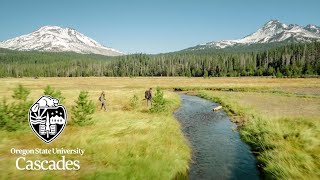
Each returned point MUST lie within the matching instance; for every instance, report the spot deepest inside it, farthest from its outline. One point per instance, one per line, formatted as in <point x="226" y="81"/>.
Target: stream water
<point x="217" y="150"/>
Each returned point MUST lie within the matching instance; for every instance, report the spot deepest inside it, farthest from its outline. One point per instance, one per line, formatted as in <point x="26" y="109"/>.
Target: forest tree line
<point x="292" y="60"/>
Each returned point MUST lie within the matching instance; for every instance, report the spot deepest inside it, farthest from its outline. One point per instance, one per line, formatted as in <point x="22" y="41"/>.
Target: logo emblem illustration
<point x="47" y="118"/>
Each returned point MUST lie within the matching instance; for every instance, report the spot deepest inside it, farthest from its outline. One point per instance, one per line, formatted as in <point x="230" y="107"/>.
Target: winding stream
<point x="218" y="152"/>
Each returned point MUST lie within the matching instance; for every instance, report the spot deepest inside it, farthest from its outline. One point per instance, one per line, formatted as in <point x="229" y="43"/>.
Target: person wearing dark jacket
<point x="148" y="96"/>
<point x="102" y="100"/>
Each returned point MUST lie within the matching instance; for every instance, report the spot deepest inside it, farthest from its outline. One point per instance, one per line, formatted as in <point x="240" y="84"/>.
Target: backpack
<point x="102" y="99"/>
<point x="147" y="95"/>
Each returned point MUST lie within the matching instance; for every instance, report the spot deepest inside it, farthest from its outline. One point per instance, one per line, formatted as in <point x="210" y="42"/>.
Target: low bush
<point x="134" y="102"/>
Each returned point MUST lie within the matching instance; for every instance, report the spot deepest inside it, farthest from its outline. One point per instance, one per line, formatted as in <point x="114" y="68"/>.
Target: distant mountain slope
<point x="271" y="32"/>
<point x="57" y="39"/>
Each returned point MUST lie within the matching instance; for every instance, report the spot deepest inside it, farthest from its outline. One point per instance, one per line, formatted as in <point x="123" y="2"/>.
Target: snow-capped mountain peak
<point x="274" y="24"/>
<point x="58" y="39"/>
<point x="272" y="31"/>
<point x="313" y="28"/>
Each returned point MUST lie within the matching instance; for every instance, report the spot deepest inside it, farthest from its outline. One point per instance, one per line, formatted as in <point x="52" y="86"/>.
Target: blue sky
<point x="154" y="26"/>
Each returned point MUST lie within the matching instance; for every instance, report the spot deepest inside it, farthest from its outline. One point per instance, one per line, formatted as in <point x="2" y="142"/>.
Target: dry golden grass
<point x="303" y="90"/>
<point x="275" y="106"/>
<point x="70" y="87"/>
<point x="143" y="82"/>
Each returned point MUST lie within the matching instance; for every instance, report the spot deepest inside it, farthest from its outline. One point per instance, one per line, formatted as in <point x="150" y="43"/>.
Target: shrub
<point x="54" y="93"/>
<point x="83" y="109"/>
<point x="279" y="74"/>
<point x="159" y="102"/>
<point x="134" y="102"/>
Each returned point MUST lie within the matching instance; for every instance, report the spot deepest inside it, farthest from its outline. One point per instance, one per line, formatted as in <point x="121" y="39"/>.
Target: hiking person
<point x="102" y="99"/>
<point x="148" y="96"/>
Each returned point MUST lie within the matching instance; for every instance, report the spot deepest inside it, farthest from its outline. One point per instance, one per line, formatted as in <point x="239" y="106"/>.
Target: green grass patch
<point x="120" y="144"/>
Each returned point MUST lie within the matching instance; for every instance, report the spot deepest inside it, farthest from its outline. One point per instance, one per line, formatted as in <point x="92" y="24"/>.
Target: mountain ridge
<point x="58" y="39"/>
<point x="271" y="32"/>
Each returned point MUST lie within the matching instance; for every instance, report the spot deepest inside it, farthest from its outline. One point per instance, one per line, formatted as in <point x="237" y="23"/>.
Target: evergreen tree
<point x="20" y="93"/>
<point x="54" y="93"/>
<point x="82" y="111"/>
<point x="300" y="58"/>
<point x="14" y="116"/>
<point x="205" y="74"/>
<point x="159" y="102"/>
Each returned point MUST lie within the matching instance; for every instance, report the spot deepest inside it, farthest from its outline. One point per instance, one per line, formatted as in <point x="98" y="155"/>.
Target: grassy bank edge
<point x="280" y="146"/>
<point x="173" y="106"/>
<point x="269" y="90"/>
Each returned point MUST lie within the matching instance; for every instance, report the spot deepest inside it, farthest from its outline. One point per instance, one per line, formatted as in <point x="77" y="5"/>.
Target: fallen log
<point x="217" y="108"/>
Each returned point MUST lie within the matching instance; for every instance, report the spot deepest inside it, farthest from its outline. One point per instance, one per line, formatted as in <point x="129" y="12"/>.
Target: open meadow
<point x="279" y="118"/>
